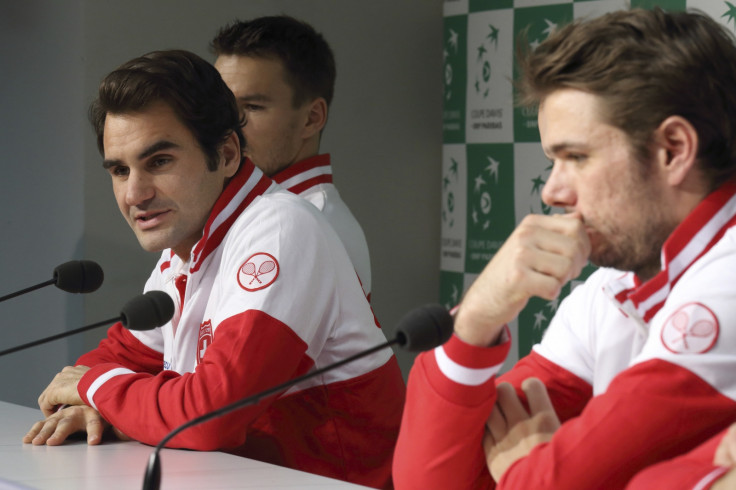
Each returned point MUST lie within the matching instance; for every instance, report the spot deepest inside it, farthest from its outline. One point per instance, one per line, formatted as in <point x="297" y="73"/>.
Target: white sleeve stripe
<point x="461" y="374"/>
<point x="102" y="380"/>
<point x="708" y="479"/>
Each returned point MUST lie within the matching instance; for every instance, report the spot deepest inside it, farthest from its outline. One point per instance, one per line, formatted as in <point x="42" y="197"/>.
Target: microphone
<point x="421" y="329"/>
<point x="143" y="312"/>
<point x="76" y="276"/>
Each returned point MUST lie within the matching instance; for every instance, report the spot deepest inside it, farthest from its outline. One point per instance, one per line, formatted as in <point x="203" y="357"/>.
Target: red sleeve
<point x="123" y="348"/>
<point x="442" y="428"/>
<point x="251" y="352"/>
<point x="568" y="392"/>
<point x="650" y="412"/>
<point x="439" y="445"/>
<point x="691" y="470"/>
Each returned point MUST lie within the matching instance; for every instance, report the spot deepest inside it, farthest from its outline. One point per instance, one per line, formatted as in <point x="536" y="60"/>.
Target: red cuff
<point x="474" y="357"/>
<point x="467" y="356"/>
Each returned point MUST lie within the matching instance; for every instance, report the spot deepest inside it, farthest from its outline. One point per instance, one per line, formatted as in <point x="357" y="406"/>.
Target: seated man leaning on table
<point x="264" y="292"/>
<point x="638" y="362"/>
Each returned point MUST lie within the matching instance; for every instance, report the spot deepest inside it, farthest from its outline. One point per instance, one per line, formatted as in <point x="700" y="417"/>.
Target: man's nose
<point x="139" y="188"/>
<point x="559" y="190"/>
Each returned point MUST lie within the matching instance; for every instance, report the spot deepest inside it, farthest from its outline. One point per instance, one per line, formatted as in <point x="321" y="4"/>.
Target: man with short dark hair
<point x="263" y="288"/>
<point x="282" y="73"/>
<point x="638" y="361"/>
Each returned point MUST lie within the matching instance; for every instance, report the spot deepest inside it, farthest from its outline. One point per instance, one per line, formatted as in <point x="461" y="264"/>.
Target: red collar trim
<point x="306" y="174"/>
<point x="245" y="186"/>
<point x="165" y="265"/>
<point x="692" y="238"/>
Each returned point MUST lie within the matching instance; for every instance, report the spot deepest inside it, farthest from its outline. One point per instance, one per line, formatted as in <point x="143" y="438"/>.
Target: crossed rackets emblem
<point x="699" y="329"/>
<point x="249" y="269"/>
<point x="258" y="271"/>
<point x="691" y="329"/>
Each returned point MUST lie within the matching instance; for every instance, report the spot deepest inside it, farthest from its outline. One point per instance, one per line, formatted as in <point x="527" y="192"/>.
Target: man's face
<point x="273" y="131"/>
<point x="160" y="178"/>
<point x="596" y="174"/>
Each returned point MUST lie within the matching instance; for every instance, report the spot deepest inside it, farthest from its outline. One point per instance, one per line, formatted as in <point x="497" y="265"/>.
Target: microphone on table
<point x="421" y="329"/>
<point x="143" y="312"/>
<point x="76" y="276"/>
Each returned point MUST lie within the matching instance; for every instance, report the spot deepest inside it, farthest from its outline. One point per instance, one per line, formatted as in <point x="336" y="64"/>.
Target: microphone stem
<point x="152" y="478"/>
<point x="257" y="397"/>
<point x="28" y="290"/>
<point x="58" y="336"/>
<point x="410" y="335"/>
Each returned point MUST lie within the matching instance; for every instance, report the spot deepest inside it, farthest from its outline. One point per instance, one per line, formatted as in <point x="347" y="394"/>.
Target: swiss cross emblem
<point x="205" y="339"/>
<point x="258" y="272"/>
<point x="691" y="329"/>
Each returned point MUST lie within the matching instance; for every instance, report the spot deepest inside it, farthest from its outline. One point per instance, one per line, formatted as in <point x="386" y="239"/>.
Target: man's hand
<point x="62" y="390"/>
<point x="726" y="456"/>
<point x="541" y="255"/>
<point x="726" y="451"/>
<point x="70" y="420"/>
<point x="511" y="432"/>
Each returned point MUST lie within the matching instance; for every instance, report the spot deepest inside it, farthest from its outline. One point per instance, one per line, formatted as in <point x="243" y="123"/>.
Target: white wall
<point x="42" y="135"/>
<point x="384" y="134"/>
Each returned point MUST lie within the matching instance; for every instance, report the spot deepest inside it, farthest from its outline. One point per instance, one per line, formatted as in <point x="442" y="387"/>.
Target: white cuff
<point x="461" y="374"/>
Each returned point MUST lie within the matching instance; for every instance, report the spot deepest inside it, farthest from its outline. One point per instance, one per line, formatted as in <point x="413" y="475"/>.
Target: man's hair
<point x="646" y="65"/>
<point x="308" y="61"/>
<point x="182" y="80"/>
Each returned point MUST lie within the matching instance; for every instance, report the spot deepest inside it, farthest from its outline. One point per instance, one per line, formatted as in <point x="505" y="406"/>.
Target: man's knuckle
<point x="46" y="430"/>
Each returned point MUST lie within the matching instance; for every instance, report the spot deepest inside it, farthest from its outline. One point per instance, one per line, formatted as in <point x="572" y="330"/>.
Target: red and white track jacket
<point x="691" y="471"/>
<point x="311" y="179"/>
<point x="638" y="373"/>
<point x="268" y="295"/>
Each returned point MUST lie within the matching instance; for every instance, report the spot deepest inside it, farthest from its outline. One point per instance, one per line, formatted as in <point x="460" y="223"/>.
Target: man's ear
<point x="230" y="154"/>
<point x="677" y="148"/>
<point x="316" y="112"/>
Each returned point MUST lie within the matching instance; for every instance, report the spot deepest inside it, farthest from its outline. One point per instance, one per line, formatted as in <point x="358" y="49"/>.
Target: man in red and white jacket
<point x="637" y="364"/>
<point x="282" y="73"/>
<point x="264" y="292"/>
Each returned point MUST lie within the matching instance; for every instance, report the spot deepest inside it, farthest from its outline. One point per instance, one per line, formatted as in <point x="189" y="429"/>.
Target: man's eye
<point x="575" y="157"/>
<point x="252" y="107"/>
<point x="119" y="171"/>
<point x="160" y="162"/>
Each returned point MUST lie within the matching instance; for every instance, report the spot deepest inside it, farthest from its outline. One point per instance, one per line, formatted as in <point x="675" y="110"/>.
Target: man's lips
<point x="150" y="220"/>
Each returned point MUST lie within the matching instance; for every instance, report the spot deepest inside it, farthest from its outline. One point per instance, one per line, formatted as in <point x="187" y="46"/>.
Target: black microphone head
<point x="147" y="311"/>
<point x="424" y="328"/>
<point x="78" y="276"/>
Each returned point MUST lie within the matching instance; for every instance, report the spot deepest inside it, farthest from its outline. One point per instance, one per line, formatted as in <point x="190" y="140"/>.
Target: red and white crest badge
<point x="691" y="329"/>
<point x="205" y="339"/>
<point x="258" y="272"/>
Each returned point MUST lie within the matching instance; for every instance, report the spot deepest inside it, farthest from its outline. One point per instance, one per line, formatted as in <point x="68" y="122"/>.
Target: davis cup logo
<point x="258" y="272"/>
<point x="692" y="329"/>
<point x="205" y="339"/>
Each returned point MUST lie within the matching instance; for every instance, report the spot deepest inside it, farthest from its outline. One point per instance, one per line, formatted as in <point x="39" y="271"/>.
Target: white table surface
<point x="121" y="465"/>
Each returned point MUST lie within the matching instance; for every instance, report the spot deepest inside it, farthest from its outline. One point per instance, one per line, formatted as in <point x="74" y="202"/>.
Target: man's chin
<point x="624" y="264"/>
<point x="605" y="258"/>
<point x="152" y="245"/>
